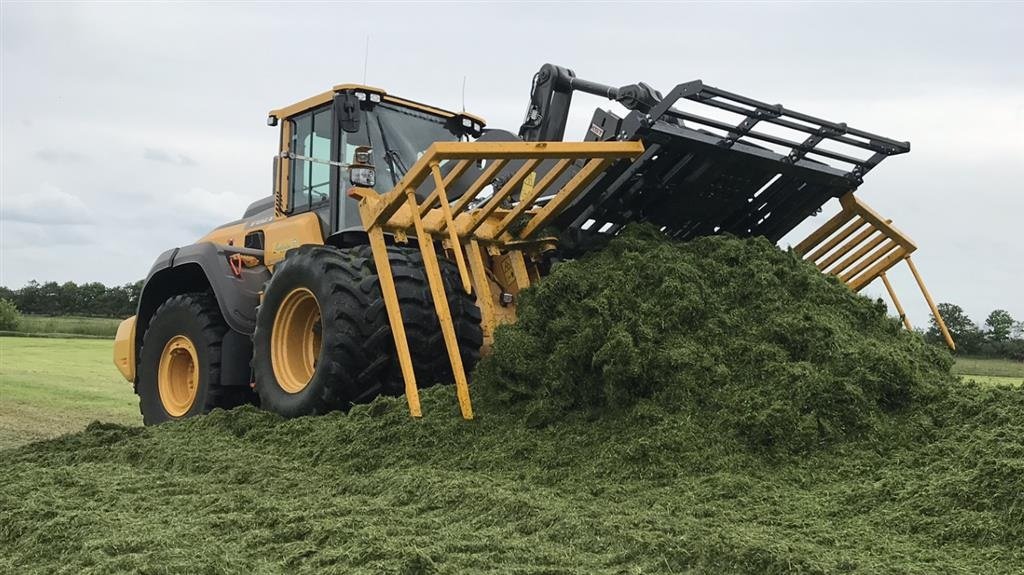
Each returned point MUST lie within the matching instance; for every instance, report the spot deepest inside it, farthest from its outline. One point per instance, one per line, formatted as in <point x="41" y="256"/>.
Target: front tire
<point x="336" y="348"/>
<point x="320" y="342"/>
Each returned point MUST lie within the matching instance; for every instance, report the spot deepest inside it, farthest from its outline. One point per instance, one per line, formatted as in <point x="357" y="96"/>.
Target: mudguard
<point x="201" y="267"/>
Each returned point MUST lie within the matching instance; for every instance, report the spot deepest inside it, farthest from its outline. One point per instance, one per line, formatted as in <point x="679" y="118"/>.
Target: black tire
<point x="423" y="330"/>
<point x="197" y="318"/>
<point x="357" y="359"/>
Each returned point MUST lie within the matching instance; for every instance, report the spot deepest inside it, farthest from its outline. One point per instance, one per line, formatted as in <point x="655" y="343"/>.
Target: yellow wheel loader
<point x="399" y="234"/>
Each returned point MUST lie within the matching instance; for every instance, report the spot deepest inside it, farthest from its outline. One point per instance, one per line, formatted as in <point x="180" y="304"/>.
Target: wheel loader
<point x="399" y="234"/>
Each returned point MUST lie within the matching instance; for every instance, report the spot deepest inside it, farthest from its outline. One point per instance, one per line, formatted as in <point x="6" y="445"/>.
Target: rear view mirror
<point x="347" y="107"/>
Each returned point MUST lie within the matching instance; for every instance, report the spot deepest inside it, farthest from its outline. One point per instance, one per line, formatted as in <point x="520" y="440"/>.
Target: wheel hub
<point x="295" y="340"/>
<point x="178" y="375"/>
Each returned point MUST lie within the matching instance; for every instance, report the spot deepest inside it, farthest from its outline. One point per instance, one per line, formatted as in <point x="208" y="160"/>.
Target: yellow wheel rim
<point x="295" y="340"/>
<point x="178" y="376"/>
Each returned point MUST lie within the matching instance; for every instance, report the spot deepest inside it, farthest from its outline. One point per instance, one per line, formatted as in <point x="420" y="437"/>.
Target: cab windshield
<point x="399" y="136"/>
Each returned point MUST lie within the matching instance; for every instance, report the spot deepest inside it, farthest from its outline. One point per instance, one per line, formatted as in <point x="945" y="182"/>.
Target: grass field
<point x="49" y="387"/>
<point x="989" y="367"/>
<point x="70" y="325"/>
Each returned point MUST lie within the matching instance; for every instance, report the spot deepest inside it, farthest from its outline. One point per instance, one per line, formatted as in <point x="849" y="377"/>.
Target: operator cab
<point x="353" y="135"/>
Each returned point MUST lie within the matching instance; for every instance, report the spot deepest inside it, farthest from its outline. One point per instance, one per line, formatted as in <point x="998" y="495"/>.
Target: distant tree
<point x="965" y="333"/>
<point x="30" y="299"/>
<point x="1000" y="324"/>
<point x="9" y="317"/>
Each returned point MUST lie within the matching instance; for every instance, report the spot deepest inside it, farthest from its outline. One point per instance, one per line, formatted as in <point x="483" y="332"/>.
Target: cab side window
<point x="310" y="171"/>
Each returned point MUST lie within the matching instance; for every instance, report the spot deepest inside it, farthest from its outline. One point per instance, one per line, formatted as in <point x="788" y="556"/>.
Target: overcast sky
<point x="127" y="130"/>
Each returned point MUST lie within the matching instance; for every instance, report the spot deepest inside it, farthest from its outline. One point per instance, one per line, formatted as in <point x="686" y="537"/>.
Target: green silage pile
<point x="710" y="407"/>
<point x="737" y="333"/>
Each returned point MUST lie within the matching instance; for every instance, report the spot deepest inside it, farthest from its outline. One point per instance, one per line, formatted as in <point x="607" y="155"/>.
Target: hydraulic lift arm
<point x="551" y="95"/>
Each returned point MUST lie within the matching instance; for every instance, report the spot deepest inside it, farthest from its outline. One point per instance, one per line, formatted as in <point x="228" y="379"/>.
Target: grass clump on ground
<point x="752" y="417"/>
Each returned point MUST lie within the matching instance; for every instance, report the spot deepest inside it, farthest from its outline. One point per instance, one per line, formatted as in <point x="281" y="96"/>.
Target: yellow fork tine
<point x="387" y="287"/>
<point x="453" y="236"/>
<point x="453" y="175"/>
<point x="444" y="314"/>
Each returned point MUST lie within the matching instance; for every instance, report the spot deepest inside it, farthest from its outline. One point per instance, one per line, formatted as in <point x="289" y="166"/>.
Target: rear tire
<point x="355" y="360"/>
<point x="179" y="363"/>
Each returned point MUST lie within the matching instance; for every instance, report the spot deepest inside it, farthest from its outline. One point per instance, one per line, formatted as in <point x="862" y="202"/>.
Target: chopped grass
<point x="661" y="450"/>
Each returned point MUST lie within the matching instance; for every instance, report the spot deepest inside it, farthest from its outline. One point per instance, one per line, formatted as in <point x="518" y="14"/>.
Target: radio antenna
<point x="366" y="57"/>
<point x="463" y="93"/>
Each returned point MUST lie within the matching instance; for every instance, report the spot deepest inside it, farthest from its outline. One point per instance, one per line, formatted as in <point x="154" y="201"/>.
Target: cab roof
<point x="324" y="97"/>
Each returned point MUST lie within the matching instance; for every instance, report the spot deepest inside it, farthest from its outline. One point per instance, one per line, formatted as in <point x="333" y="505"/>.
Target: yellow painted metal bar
<point x="387" y="285"/>
<point x="861" y="280"/>
<point x="522" y="150"/>
<point x="846" y="248"/>
<point x="826" y="229"/>
<point x="863" y="210"/>
<point x="519" y="271"/>
<point x="500" y="196"/>
<point x="855" y="224"/>
<point x="492" y="151"/>
<point x="578" y="182"/>
<point x="386" y="207"/>
<point x="896" y="302"/>
<point x="533" y="272"/>
<point x="857" y="254"/>
<point x="484" y="297"/>
<point x="887" y="245"/>
<point x="456" y="173"/>
<point x="392" y="201"/>
<point x="525" y="202"/>
<point x="444" y="314"/>
<point x="485" y="177"/>
<point x="284" y="167"/>
<point x="931" y="304"/>
<point x="453" y="236"/>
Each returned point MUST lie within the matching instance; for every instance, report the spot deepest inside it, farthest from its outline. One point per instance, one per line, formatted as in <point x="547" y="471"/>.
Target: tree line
<point x="1001" y="335"/>
<point x="88" y="299"/>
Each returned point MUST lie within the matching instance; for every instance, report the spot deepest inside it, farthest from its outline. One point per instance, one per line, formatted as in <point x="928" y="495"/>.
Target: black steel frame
<point x="691" y="181"/>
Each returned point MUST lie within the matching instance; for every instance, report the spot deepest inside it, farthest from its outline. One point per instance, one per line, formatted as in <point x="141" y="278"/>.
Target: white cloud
<point x="158" y="155"/>
<point x="50" y="205"/>
<point x="60" y="156"/>
<point x="200" y="204"/>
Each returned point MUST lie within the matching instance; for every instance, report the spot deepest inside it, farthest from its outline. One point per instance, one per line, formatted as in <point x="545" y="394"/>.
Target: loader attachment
<point x="717" y="162"/>
<point x="858" y="246"/>
<point x="494" y="229"/>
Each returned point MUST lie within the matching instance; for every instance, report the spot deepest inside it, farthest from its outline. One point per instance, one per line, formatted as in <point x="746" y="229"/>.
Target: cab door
<point x="309" y="177"/>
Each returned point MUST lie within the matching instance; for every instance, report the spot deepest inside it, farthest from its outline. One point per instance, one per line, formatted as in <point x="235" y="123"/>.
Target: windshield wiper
<point x="395" y="164"/>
